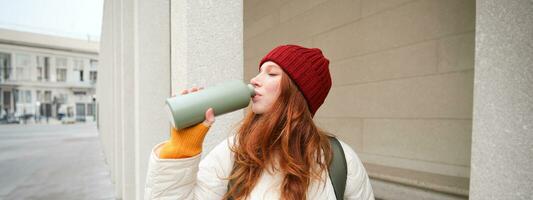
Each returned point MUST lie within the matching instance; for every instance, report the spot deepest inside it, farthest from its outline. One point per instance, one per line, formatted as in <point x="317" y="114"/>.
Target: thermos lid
<point x="251" y="88"/>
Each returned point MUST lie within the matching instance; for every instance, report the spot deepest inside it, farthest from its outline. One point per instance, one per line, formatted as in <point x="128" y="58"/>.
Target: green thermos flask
<point x="189" y="109"/>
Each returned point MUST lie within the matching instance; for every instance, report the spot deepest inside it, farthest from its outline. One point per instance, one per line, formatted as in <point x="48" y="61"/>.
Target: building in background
<point x="45" y="78"/>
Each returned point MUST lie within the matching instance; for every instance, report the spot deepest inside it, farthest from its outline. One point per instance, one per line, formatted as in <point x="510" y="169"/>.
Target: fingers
<point x="209" y="114"/>
<point x="187" y="91"/>
<point x="209" y="117"/>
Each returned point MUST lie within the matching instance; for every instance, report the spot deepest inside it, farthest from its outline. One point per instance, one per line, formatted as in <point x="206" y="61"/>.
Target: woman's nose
<point x="254" y="81"/>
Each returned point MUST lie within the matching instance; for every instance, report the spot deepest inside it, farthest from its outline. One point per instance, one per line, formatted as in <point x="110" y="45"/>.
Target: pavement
<point x="53" y="161"/>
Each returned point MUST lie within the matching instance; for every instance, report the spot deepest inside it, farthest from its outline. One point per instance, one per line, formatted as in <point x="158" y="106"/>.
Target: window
<point x="24" y="96"/>
<point x="43" y="68"/>
<point x="23" y="66"/>
<point x="61" y="69"/>
<point x="47" y="96"/>
<point x="46" y="68"/>
<point x="40" y="63"/>
<point x="93" y="63"/>
<point x="61" y="74"/>
<point x="39" y="73"/>
<point x="90" y="109"/>
<point x="39" y="96"/>
<point x="80" y="111"/>
<point x="78" y="66"/>
<point x="92" y="76"/>
<point x="28" y="96"/>
<point x="5" y="66"/>
<point x="7" y="99"/>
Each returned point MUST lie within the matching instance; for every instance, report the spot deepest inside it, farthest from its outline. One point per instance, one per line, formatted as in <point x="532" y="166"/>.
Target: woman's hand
<point x="186" y="142"/>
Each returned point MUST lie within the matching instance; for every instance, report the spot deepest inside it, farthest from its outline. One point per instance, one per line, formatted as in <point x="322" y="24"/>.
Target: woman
<point x="277" y="152"/>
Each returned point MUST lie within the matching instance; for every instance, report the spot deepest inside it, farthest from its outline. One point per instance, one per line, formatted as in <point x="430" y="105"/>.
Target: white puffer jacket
<point x="203" y="179"/>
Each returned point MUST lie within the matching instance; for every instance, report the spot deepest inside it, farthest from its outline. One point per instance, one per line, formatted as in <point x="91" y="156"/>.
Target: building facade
<point x="46" y="78"/>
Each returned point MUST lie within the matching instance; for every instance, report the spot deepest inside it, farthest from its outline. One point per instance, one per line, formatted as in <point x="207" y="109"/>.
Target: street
<point x="53" y="162"/>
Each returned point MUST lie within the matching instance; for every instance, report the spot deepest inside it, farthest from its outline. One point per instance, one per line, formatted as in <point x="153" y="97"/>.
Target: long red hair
<point x="287" y="134"/>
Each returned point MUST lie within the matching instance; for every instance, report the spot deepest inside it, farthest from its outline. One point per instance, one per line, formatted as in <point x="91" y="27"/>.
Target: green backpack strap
<point x="338" y="171"/>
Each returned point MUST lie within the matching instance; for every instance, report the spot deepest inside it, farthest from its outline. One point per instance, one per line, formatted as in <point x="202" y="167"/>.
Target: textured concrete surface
<point x="52" y="162"/>
<point x="207" y="49"/>
<point x="502" y="139"/>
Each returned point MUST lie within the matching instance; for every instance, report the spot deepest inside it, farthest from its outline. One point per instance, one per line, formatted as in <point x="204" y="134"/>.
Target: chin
<point x="257" y="109"/>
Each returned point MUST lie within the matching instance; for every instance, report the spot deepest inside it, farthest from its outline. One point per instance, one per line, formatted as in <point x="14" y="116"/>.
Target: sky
<point x="80" y="19"/>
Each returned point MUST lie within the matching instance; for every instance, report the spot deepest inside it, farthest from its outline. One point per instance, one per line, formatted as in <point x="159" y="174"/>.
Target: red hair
<point x="287" y="134"/>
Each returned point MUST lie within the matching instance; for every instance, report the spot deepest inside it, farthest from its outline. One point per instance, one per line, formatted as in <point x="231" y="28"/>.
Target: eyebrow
<point x="269" y="66"/>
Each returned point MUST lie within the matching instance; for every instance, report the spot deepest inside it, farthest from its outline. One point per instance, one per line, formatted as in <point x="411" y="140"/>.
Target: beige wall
<point x="402" y="74"/>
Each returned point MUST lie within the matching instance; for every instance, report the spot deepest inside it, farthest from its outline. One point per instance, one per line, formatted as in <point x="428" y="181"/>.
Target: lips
<point x="257" y="93"/>
<point x="256" y="97"/>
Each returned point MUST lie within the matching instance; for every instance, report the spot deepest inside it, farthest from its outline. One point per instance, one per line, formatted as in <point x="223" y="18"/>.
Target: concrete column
<point x="502" y="139"/>
<point x="151" y="44"/>
<point x="207" y="49"/>
<point x="128" y="101"/>
<point x="104" y="89"/>
<point x="117" y="100"/>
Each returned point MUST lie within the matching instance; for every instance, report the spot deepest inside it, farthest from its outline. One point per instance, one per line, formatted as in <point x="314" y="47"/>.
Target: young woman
<point x="277" y="152"/>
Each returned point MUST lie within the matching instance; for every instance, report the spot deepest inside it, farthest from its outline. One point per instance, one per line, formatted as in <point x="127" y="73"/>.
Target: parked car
<point x="11" y="119"/>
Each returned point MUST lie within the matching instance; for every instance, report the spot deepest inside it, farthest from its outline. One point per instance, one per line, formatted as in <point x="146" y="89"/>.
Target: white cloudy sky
<point x="80" y="19"/>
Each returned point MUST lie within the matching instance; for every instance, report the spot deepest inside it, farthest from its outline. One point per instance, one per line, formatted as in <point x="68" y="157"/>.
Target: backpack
<point x="338" y="170"/>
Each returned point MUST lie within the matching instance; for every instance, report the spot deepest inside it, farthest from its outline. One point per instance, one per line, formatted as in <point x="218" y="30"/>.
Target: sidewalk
<point x="43" y="121"/>
<point x="53" y="161"/>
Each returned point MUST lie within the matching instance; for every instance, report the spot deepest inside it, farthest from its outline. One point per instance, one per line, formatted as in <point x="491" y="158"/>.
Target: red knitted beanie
<point x="308" y="68"/>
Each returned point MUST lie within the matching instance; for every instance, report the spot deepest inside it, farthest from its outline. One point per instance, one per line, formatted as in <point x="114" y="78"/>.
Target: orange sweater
<point x="184" y="143"/>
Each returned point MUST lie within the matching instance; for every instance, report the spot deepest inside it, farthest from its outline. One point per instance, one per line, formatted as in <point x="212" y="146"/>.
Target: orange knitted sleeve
<point x="184" y="143"/>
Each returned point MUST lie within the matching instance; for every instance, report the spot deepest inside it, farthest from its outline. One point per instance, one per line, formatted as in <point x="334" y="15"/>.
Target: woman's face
<point x="267" y="87"/>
